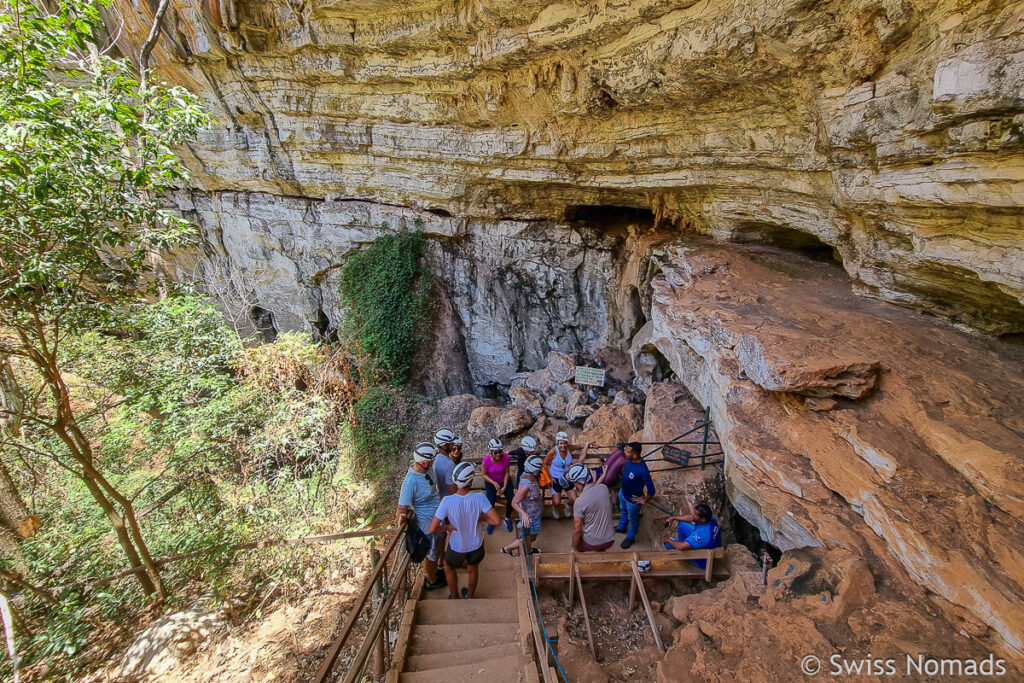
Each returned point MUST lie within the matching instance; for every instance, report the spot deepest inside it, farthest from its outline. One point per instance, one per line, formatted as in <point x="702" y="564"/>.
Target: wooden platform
<point x="618" y="565"/>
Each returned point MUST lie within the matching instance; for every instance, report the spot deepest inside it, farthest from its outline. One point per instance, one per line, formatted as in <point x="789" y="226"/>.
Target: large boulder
<point x="512" y="421"/>
<point x="561" y="366"/>
<point x="554" y="405"/>
<point x="527" y="399"/>
<point x="823" y="584"/>
<point x="166" y="642"/>
<point x="612" y="423"/>
<point x="483" y="420"/>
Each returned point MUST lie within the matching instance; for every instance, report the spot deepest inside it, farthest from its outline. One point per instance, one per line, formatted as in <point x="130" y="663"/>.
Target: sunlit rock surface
<point x="887" y="130"/>
<point x="924" y="473"/>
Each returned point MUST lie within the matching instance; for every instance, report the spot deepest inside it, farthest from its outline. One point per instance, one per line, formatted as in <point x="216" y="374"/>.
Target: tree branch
<point x="147" y="47"/>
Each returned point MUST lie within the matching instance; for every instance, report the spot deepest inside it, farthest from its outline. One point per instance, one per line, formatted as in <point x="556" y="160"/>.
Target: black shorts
<point x="457" y="560"/>
<point x="558" y="488"/>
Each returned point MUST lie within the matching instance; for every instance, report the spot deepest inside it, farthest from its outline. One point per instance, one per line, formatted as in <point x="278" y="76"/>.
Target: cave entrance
<point x="788" y="238"/>
<point x="263" y="321"/>
<point x="750" y="536"/>
<point x="607" y="217"/>
<point x="652" y="366"/>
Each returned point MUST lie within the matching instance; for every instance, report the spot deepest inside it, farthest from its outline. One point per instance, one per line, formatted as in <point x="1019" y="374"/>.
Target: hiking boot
<point x="508" y="524"/>
<point x="490" y="529"/>
<point x="626" y="542"/>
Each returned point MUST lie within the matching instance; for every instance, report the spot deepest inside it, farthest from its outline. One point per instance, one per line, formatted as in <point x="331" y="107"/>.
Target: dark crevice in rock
<point x="263" y="321"/>
<point x="750" y="536"/>
<point x="785" y="237"/>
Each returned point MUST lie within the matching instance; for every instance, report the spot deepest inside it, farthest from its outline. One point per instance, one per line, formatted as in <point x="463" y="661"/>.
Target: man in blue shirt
<point x="418" y="500"/>
<point x="696" y="531"/>
<point x="635" y="479"/>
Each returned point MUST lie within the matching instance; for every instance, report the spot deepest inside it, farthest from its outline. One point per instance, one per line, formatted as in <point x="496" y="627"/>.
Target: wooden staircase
<point x="488" y="639"/>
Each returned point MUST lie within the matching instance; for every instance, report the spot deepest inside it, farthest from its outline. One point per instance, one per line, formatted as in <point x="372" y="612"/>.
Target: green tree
<point x="87" y="155"/>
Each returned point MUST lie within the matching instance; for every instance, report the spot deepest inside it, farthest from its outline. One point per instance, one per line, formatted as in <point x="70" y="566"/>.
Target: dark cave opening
<point x="750" y="536"/>
<point x="790" y="239"/>
<point x="607" y="216"/>
<point x="263" y="321"/>
<point x="441" y="213"/>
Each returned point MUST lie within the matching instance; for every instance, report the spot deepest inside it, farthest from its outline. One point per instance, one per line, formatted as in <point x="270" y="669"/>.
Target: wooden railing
<point x="387" y="586"/>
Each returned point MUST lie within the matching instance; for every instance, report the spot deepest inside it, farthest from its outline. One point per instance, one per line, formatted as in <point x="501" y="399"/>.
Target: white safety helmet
<point x="463" y="474"/>
<point x="561" y="436"/>
<point x="533" y="464"/>
<point x="529" y="444"/>
<point x="457" y="441"/>
<point x="443" y="436"/>
<point x="424" y="452"/>
<point x="578" y="474"/>
<point x="494" y="445"/>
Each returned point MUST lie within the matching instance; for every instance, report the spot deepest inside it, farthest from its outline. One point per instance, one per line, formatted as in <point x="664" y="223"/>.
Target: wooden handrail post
<point x="357" y="607"/>
<point x="378" y="652"/>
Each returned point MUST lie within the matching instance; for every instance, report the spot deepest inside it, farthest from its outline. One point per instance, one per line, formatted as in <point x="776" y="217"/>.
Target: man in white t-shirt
<point x="464" y="511"/>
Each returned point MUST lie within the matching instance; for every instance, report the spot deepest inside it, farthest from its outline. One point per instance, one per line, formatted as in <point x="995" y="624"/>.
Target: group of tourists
<point x="436" y="496"/>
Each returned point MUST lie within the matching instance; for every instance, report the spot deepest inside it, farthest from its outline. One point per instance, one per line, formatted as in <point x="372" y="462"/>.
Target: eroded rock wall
<point x="851" y="423"/>
<point x="518" y="288"/>
<point x="890" y="130"/>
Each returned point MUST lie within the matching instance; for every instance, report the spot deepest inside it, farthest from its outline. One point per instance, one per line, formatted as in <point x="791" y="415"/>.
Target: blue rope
<point x="536" y="598"/>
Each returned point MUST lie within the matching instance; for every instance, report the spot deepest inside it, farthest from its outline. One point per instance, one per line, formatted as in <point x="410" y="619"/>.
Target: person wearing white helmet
<point x="529" y="503"/>
<point x="498" y="478"/>
<point x="557" y="462"/>
<point x="444" y="439"/>
<point x="417" y="502"/>
<point x="459" y="515"/>
<point x="592" y="528"/>
<point x="457" y="450"/>
<point x="527" y="447"/>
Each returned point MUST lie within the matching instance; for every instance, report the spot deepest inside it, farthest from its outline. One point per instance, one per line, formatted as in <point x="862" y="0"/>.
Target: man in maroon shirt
<point x="612" y="473"/>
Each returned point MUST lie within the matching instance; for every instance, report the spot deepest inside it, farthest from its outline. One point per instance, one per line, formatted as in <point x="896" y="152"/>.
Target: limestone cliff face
<point x="890" y="130"/>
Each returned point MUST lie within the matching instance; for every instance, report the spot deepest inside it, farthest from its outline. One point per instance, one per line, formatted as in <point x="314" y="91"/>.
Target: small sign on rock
<point x="590" y="376"/>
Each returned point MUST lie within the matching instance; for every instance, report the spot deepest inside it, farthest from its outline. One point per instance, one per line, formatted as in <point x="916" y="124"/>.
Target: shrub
<point x="379" y="422"/>
<point x="385" y="294"/>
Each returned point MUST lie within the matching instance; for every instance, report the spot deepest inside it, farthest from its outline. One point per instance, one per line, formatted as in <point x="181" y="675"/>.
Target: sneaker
<point x="536" y="550"/>
<point x="554" y="512"/>
<point x="490" y="529"/>
<point x="440" y="583"/>
<point x="568" y="511"/>
<point x="508" y="552"/>
<point x="620" y="531"/>
<point x="508" y="524"/>
<point x="626" y="542"/>
<point x="465" y="593"/>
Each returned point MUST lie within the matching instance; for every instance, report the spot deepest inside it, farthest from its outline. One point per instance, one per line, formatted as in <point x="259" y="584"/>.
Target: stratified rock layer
<point x="924" y="473"/>
<point x="889" y="131"/>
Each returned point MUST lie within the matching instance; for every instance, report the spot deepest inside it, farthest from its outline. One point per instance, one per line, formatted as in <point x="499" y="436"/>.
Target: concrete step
<point x="434" y="638"/>
<point x="493" y="583"/>
<point x="508" y="669"/>
<point x="473" y="611"/>
<point x="443" y="659"/>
